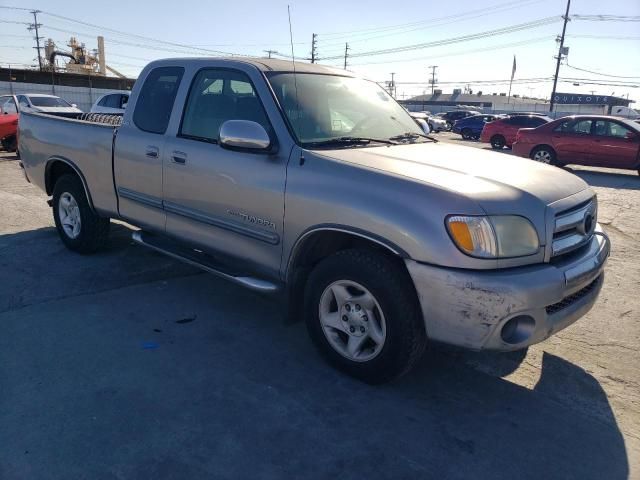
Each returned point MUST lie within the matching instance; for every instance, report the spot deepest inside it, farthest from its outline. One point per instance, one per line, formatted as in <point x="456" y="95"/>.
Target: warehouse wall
<point x="83" y="97"/>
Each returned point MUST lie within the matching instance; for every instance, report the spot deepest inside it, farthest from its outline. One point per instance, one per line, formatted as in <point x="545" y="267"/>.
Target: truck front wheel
<point x="363" y="315"/>
<point x="80" y="229"/>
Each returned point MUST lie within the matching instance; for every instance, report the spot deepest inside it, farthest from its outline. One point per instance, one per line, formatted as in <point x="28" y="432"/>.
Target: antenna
<point x="293" y="61"/>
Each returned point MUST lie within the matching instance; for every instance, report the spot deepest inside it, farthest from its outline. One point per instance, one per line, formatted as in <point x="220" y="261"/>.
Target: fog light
<point x="518" y="329"/>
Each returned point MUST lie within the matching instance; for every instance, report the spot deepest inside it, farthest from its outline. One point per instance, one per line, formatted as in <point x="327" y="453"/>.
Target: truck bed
<point x="85" y="143"/>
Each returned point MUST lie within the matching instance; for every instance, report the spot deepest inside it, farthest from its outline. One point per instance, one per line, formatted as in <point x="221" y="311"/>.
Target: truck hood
<point x="494" y="180"/>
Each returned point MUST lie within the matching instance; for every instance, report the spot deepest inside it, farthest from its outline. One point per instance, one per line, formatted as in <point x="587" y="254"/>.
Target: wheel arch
<point x="318" y="243"/>
<point x="540" y="145"/>
<point x="58" y="166"/>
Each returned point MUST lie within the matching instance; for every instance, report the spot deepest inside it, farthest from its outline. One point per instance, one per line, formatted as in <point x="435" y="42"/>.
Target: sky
<point x="144" y="30"/>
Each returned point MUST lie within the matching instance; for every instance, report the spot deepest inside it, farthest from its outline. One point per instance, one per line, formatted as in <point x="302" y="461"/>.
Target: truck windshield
<point x="332" y="110"/>
<point x="48" y="102"/>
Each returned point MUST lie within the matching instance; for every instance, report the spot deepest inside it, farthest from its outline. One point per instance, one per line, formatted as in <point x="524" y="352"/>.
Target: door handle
<point x="179" y="157"/>
<point x="152" y="152"/>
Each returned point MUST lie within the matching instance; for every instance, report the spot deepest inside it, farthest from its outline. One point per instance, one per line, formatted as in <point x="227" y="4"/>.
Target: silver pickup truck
<point x="315" y="185"/>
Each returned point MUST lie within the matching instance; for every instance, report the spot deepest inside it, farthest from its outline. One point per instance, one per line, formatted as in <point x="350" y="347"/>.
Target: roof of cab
<point x="263" y="64"/>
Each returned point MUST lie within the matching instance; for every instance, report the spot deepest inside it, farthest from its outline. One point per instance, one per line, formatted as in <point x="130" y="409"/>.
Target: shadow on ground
<point x="597" y="178"/>
<point x="35" y="266"/>
<point x="192" y="377"/>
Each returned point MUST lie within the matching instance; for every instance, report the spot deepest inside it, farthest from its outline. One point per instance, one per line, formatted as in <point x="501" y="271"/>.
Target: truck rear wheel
<point x="80" y="229"/>
<point x="363" y="315"/>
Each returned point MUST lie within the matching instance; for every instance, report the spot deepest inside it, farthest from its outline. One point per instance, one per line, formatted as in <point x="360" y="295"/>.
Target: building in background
<point x="566" y="103"/>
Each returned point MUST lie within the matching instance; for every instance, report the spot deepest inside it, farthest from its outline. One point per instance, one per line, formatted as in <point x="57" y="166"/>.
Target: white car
<point x="437" y="124"/>
<point x="114" y="102"/>
<point x="37" y="102"/>
<point x="421" y="119"/>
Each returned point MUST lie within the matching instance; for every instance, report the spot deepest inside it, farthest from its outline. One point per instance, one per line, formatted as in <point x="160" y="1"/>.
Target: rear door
<point x="615" y="145"/>
<point x="139" y="149"/>
<point x="225" y="201"/>
<point x="573" y="141"/>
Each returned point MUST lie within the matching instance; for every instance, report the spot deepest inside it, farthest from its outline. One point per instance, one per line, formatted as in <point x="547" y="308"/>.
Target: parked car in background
<point x="421" y="119"/>
<point x="114" y="102"/>
<point x="502" y="132"/>
<point x="8" y="123"/>
<point x="595" y="140"/>
<point x="42" y="103"/>
<point x="515" y="114"/>
<point x="471" y="127"/>
<point x="436" y="123"/>
<point x="454" y="115"/>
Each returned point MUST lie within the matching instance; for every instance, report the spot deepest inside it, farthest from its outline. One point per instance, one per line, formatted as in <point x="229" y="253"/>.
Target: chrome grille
<point x="574" y="228"/>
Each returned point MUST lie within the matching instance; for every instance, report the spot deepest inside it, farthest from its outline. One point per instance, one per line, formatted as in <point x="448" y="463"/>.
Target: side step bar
<point x="203" y="261"/>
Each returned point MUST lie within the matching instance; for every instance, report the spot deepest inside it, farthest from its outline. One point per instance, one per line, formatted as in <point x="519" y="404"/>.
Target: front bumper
<point x="512" y="308"/>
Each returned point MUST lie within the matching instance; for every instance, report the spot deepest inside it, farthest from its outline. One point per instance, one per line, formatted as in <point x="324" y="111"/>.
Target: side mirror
<point x="245" y="135"/>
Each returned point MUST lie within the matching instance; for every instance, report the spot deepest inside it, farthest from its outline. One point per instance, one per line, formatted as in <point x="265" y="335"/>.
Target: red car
<point x="8" y="123"/>
<point x="502" y="133"/>
<point x="595" y="140"/>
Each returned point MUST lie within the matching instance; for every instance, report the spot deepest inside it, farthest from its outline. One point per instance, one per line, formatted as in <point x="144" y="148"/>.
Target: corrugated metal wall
<point x="83" y="97"/>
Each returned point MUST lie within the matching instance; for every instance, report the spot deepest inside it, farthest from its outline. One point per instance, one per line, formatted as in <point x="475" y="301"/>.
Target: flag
<point x="513" y="70"/>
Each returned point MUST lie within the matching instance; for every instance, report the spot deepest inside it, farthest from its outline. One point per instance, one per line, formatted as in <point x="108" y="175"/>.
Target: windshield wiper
<point x="349" y="141"/>
<point x="412" y="136"/>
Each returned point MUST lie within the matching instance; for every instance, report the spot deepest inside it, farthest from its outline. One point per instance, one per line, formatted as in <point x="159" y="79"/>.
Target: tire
<point x="466" y="133"/>
<point x="83" y="231"/>
<point x="544" y="154"/>
<point x="498" y="142"/>
<point x="388" y="327"/>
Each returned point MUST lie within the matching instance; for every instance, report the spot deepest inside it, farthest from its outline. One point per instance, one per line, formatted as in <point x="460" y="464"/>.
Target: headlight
<point x="493" y="236"/>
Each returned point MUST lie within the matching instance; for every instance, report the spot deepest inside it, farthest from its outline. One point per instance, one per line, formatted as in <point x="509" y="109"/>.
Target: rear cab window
<point x="155" y="102"/>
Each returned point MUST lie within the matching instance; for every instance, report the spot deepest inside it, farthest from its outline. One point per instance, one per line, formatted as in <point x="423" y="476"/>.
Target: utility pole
<point x="392" y="85"/>
<point x="269" y="52"/>
<point x="314" y="47"/>
<point x="34" y="26"/>
<point x="346" y="54"/>
<point x="433" y="78"/>
<point x="559" y="57"/>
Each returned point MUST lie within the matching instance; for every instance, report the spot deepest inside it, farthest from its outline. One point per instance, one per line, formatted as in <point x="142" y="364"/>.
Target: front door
<point x="616" y="145"/>
<point x="139" y="149"/>
<point x="225" y="201"/>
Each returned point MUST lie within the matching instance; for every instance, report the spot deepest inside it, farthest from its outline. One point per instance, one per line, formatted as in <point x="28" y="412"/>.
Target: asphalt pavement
<point x="126" y="364"/>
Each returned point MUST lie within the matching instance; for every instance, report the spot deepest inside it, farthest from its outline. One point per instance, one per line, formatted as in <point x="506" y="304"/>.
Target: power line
<point x="599" y="73"/>
<point x="366" y="31"/>
<point x="608" y="37"/>
<point x="465" y="52"/>
<point x="484" y="12"/>
<point x="607" y="18"/>
<point x="465" y="38"/>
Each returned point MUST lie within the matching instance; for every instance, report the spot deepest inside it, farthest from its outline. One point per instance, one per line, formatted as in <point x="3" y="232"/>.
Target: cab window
<point x="155" y="102"/>
<point x="216" y="96"/>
